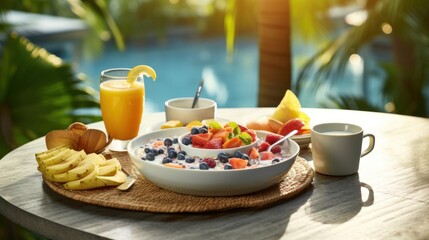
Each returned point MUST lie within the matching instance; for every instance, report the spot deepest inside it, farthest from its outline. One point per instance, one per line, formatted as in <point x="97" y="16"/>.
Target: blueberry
<point x="180" y="156"/>
<point x="202" y="130"/>
<point x="143" y="158"/>
<point x="204" y="166"/>
<point x="166" y="160"/>
<point x="175" y="140"/>
<point x="194" y="130"/>
<point x="275" y="160"/>
<point x="150" y="156"/>
<point x="168" y="142"/>
<point x="227" y="166"/>
<point x="161" y="151"/>
<point x="154" y="151"/>
<point x="170" y="149"/>
<point x="244" y="156"/>
<point x="146" y="150"/>
<point x="172" y="154"/>
<point x="222" y="157"/>
<point x="190" y="160"/>
<point x="238" y="154"/>
<point x="186" y="141"/>
<point x="182" y="152"/>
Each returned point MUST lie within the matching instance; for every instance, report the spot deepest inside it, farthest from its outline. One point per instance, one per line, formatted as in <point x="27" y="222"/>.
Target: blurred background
<point x="370" y="55"/>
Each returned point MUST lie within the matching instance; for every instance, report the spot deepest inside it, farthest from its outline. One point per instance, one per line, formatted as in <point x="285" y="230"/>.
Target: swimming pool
<point x="181" y="63"/>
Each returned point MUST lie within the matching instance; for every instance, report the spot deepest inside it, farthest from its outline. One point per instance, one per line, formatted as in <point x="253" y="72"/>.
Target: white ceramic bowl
<point x="181" y="109"/>
<point x="201" y="152"/>
<point x="211" y="182"/>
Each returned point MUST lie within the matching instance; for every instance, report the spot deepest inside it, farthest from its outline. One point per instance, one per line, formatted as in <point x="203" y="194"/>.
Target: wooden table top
<point x="387" y="199"/>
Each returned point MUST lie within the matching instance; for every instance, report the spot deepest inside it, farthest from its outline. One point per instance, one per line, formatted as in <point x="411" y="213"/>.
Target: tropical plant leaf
<point x="230" y="25"/>
<point x="38" y="93"/>
<point x="96" y="14"/>
<point x="351" y="103"/>
<point x="408" y="20"/>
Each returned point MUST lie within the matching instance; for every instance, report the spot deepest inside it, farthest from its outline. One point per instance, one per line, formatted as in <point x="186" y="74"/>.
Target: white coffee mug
<point x="181" y="109"/>
<point x="337" y="148"/>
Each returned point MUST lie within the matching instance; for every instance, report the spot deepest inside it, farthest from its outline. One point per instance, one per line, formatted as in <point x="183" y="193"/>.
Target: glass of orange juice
<point x="122" y="104"/>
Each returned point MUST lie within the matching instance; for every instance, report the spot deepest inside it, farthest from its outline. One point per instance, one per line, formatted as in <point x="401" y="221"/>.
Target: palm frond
<point x="350" y="102"/>
<point x="408" y="20"/>
<point x="38" y="93"/>
<point x="96" y="14"/>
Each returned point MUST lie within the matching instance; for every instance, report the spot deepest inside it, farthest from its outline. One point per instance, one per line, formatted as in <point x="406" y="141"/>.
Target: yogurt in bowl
<point x="215" y="181"/>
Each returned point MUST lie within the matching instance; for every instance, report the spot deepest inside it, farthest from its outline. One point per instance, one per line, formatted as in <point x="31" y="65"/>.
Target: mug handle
<point x="371" y="144"/>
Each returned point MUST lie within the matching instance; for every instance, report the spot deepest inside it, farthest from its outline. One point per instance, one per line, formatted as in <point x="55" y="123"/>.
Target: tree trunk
<point x="275" y="72"/>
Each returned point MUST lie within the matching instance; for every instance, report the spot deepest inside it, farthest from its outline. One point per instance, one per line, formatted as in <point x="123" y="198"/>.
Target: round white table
<point x="387" y="199"/>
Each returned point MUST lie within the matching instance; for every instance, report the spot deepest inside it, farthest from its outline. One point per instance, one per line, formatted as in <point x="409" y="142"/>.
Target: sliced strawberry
<point x="276" y="149"/>
<point x="272" y="138"/>
<point x="242" y="128"/>
<point x="214" y="143"/>
<point x="222" y="134"/>
<point x="263" y="146"/>
<point x="238" y="163"/>
<point x="210" y="162"/>
<point x="201" y="139"/>
<point x="253" y="154"/>
<point x="267" y="155"/>
<point x="232" y="143"/>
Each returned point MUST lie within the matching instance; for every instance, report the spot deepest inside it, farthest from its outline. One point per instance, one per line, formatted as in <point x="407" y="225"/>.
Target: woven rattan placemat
<point x="145" y="196"/>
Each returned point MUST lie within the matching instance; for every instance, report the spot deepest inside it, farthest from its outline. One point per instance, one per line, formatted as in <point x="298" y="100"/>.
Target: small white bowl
<point x="202" y="152"/>
<point x="181" y="109"/>
<point x="211" y="182"/>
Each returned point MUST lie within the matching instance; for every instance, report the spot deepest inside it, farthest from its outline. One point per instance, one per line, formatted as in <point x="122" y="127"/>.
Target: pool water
<point x="232" y="81"/>
<point x="181" y="63"/>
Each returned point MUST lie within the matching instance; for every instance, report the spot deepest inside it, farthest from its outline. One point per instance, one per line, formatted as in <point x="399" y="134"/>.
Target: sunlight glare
<point x="355" y="59"/>
<point x="386" y="28"/>
<point x="215" y="88"/>
<point x="56" y="61"/>
<point x="356" y="18"/>
<point x="356" y="63"/>
<point x="389" y="107"/>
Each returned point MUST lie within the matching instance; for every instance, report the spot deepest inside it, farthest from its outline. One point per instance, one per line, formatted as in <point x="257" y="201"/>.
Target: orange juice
<point x="122" y="107"/>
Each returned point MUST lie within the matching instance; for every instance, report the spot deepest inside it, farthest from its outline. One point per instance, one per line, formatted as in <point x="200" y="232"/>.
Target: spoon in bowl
<point x="197" y="94"/>
<point x="282" y="139"/>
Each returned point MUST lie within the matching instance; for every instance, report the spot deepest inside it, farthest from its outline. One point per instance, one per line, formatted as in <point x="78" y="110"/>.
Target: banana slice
<point x="56" y="159"/>
<point x="85" y="167"/>
<point x="49" y="153"/>
<point x="65" y="165"/>
<point x="110" y="168"/>
<point x="93" y="180"/>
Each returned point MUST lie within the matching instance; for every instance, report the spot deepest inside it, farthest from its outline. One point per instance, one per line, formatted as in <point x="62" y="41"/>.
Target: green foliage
<point x="404" y="85"/>
<point x="96" y="14"/>
<point x="38" y="93"/>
